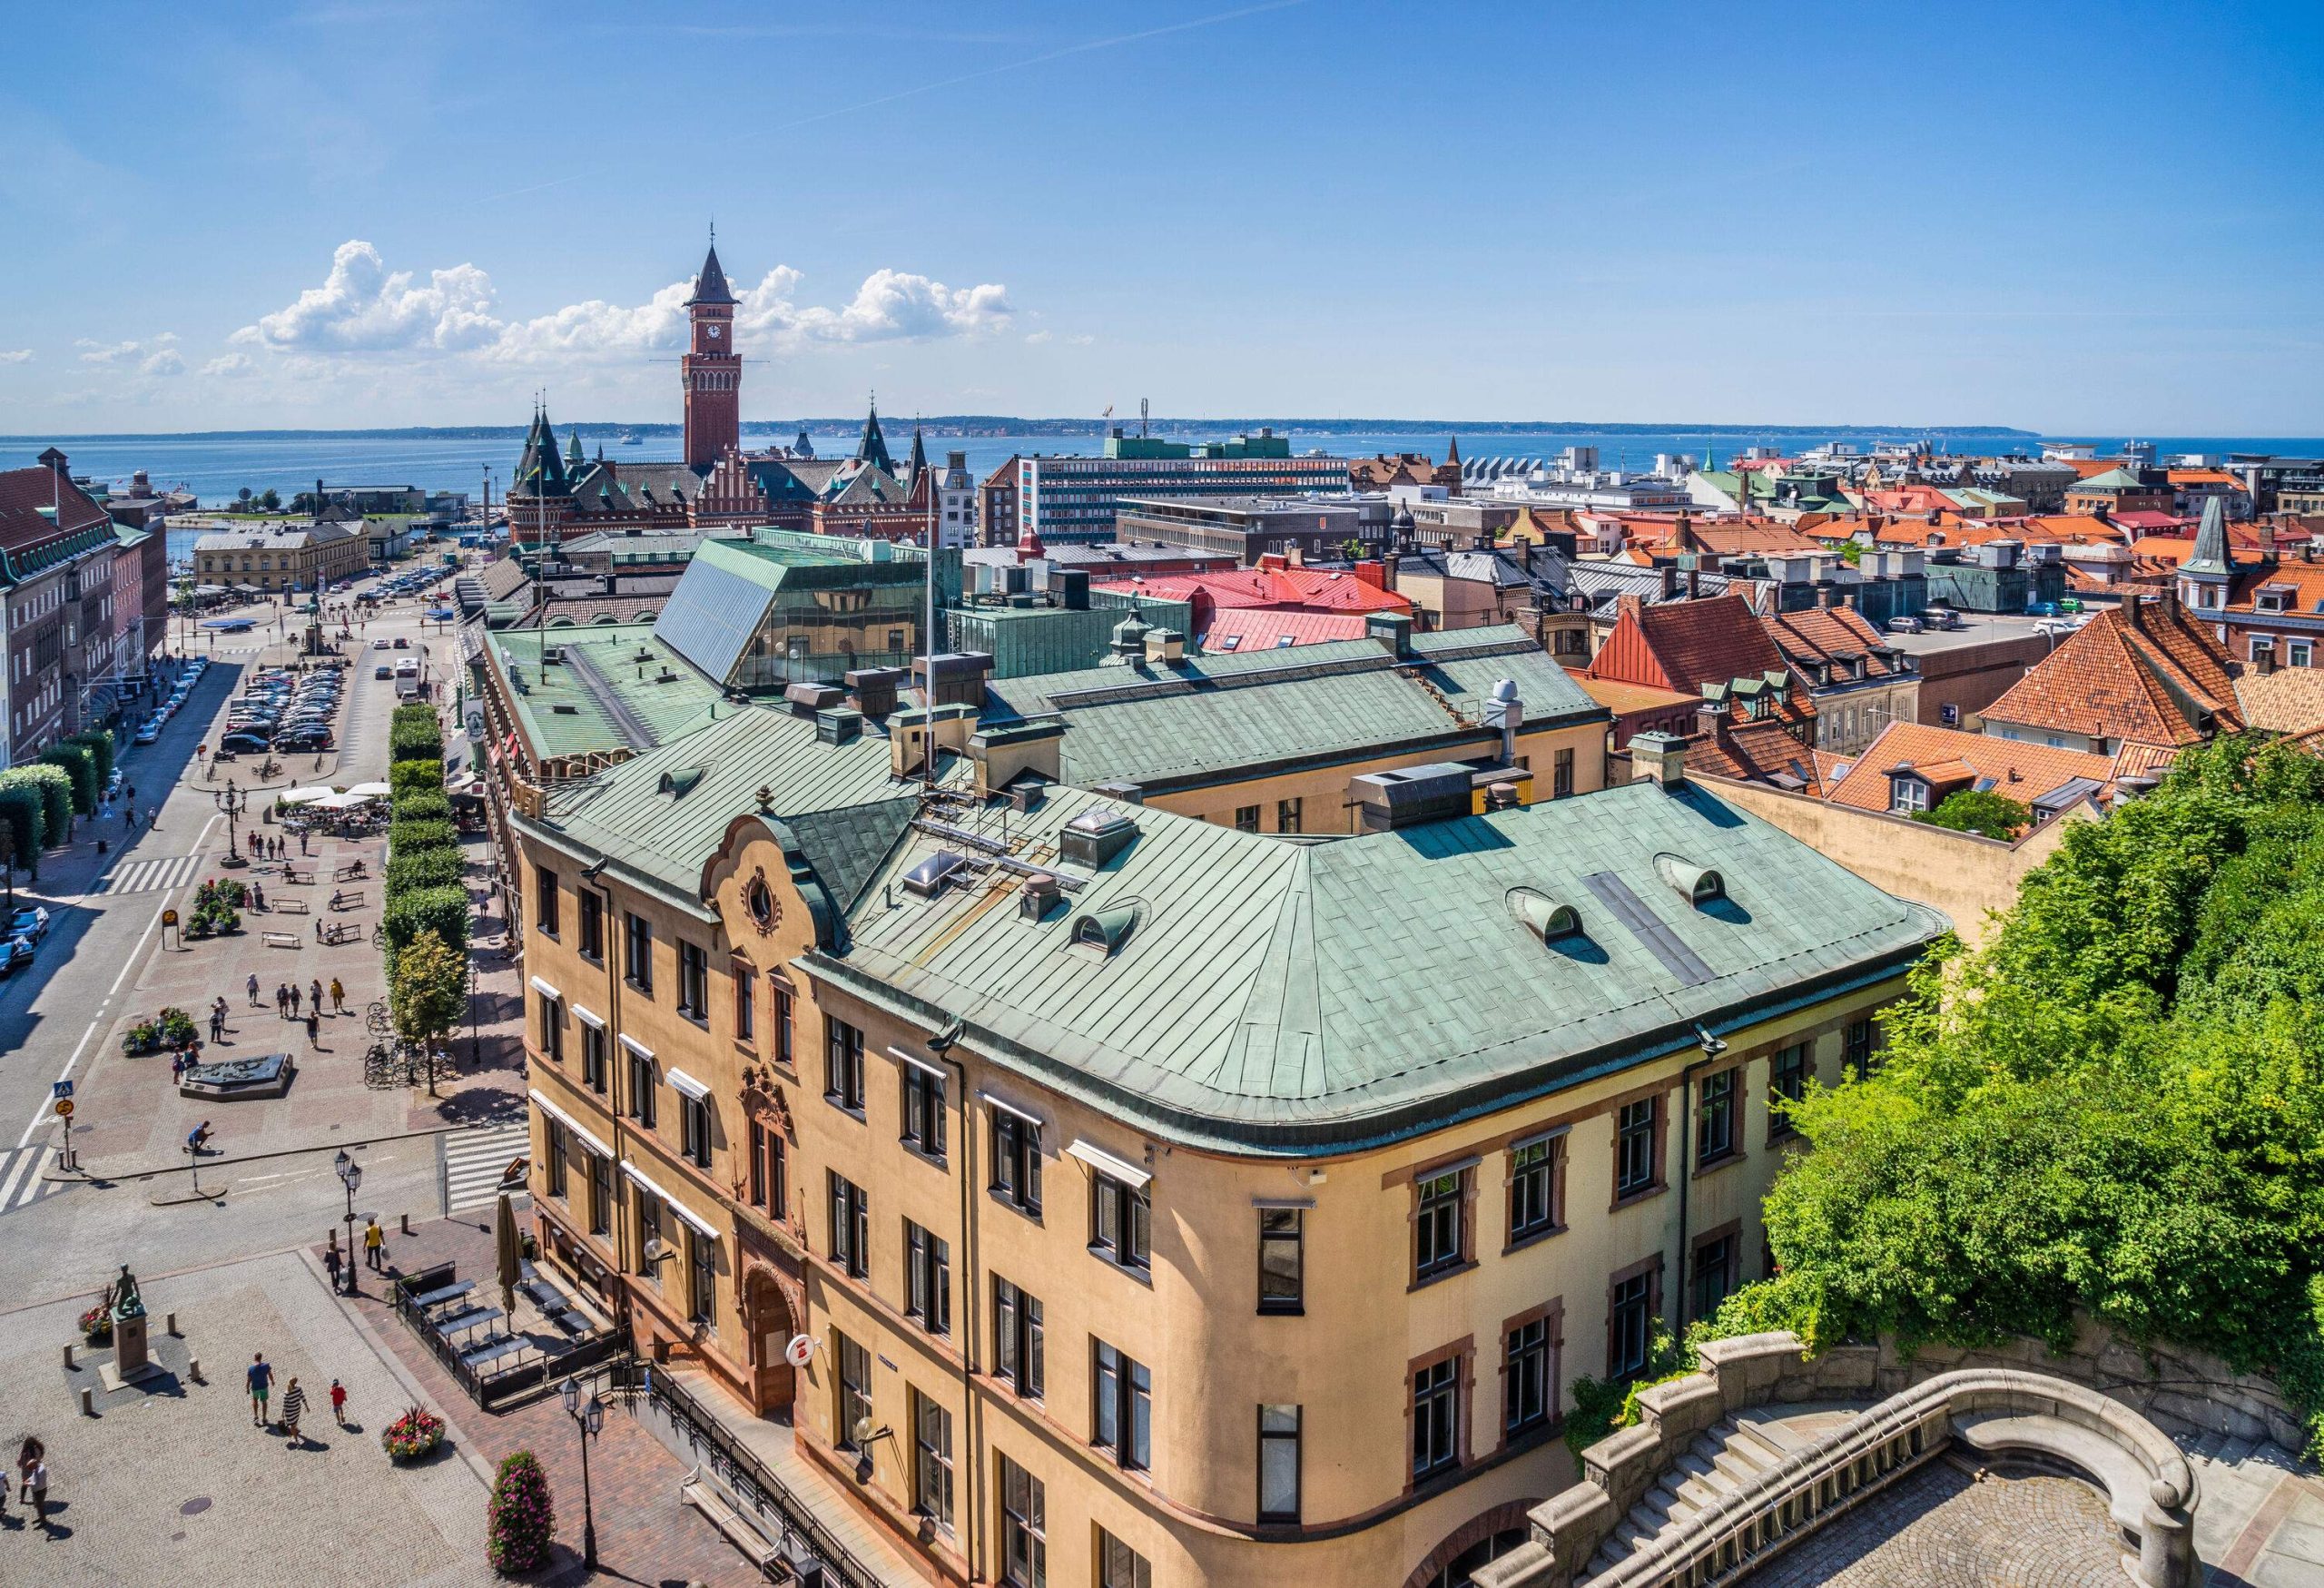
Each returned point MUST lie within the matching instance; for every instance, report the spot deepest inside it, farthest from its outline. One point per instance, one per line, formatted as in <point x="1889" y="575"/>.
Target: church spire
<point x="918" y="463"/>
<point x="710" y="286"/>
<point x="874" y="447"/>
<point x="2211" y="555"/>
<point x="573" y="456"/>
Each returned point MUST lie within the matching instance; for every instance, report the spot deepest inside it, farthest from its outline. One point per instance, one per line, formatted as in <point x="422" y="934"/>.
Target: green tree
<point x="443" y="910"/>
<point x="1979" y="811"/>
<point x="269" y="498"/>
<point x="428" y="992"/>
<point x="416" y="776"/>
<point x="80" y="767"/>
<point x="426" y="868"/>
<point x="403" y="837"/>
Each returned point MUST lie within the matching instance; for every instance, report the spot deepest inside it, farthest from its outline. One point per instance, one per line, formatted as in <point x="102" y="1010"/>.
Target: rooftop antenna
<point x="1142" y="407"/>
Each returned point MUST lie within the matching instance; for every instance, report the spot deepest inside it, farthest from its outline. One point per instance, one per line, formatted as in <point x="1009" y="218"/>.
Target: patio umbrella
<point x="375" y="790"/>
<point x="341" y="802"/>
<point x="300" y="796"/>
<point x="506" y="1252"/>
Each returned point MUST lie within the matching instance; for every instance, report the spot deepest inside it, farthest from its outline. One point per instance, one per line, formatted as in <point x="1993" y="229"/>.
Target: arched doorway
<point x="1482" y="1538"/>
<point x="768" y="1316"/>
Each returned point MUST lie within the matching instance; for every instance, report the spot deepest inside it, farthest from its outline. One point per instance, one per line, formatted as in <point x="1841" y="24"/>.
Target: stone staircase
<point x="1721" y="1461"/>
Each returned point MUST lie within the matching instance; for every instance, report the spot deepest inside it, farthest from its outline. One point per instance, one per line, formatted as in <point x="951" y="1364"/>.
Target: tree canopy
<point x="2114" y="1105"/>
<point x="1979" y="811"/>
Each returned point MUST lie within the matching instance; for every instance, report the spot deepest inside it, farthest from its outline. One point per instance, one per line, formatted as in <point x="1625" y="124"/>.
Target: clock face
<point x="714" y="333"/>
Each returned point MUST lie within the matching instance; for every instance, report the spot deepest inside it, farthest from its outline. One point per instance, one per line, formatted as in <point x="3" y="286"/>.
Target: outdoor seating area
<point x="499" y="1352"/>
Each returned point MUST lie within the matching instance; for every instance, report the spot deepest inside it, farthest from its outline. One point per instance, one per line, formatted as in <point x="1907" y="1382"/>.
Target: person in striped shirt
<point x="294" y="1403"/>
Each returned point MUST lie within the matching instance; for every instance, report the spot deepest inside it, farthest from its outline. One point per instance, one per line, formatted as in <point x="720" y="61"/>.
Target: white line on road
<point x="23" y="1161"/>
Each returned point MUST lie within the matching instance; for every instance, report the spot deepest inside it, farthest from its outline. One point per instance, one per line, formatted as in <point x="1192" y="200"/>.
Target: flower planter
<point x="414" y="1436"/>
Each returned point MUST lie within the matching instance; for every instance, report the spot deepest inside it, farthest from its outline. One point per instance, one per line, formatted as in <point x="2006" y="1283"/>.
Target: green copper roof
<point x="2113" y="479"/>
<point x="604" y="687"/>
<point x="2211" y="553"/>
<point x="1166" y="726"/>
<point x="874" y="447"/>
<point x="1294" y="997"/>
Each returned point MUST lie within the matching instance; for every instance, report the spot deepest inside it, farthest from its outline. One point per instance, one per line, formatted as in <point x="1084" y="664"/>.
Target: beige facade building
<point x="1154" y="1203"/>
<point x="302" y="559"/>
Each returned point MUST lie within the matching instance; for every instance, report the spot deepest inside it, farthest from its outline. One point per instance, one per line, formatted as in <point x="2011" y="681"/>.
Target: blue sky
<point x="2065" y="217"/>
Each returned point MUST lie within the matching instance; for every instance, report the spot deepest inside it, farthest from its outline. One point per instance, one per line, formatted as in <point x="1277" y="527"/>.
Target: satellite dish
<point x="863" y="1430"/>
<point x="800" y="1351"/>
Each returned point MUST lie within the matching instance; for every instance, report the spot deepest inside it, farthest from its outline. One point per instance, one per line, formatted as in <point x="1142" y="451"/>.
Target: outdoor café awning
<point x="301" y="797"/>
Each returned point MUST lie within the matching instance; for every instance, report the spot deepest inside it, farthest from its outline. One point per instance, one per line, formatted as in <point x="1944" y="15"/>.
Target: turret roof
<point x="710" y="286"/>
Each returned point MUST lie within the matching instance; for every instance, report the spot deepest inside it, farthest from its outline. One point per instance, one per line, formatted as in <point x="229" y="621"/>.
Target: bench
<point x="473" y="1318"/>
<point x="346" y="872"/>
<point x="449" y="1292"/>
<point x="283" y="939"/>
<point x="494" y="1350"/>
<point x="287" y="907"/>
<point x="348" y="901"/>
<point x="339" y="931"/>
<point x="291" y="874"/>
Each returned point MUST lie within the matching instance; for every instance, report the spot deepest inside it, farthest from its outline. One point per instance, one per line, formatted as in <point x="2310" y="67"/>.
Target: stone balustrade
<point x="2150" y="1489"/>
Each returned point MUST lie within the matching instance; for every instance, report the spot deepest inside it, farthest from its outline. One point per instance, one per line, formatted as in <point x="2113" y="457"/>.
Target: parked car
<point x="1906" y="625"/>
<point x="379" y="644"/>
<point x="239" y="743"/>
<point x="16" y="956"/>
<point x="310" y="738"/>
<point x="1941" y="617"/>
<point x="2059" y="626"/>
<point x="147" y="732"/>
<point x="30" y="922"/>
<point x="2042" y="609"/>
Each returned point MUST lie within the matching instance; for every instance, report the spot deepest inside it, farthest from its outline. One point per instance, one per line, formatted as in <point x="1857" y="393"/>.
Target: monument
<point x="130" y="1363"/>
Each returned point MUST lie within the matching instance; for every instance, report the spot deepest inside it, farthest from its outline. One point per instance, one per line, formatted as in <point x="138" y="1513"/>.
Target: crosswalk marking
<point x="150" y="875"/>
<point x="20" y="1180"/>
<point x="474" y="1160"/>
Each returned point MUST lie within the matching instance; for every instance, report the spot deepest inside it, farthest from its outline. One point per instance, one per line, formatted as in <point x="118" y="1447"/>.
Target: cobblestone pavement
<point x="175" y="1486"/>
<point x="1940" y="1528"/>
<point x="645" y="1534"/>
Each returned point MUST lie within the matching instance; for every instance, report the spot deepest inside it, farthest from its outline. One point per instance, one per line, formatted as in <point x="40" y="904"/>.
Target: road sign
<point x="63" y="1108"/>
<point x="169" y="918"/>
<point x="60" y="1089"/>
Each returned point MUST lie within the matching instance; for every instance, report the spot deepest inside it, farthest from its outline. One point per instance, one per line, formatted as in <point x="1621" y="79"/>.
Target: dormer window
<point x="1908" y="794"/>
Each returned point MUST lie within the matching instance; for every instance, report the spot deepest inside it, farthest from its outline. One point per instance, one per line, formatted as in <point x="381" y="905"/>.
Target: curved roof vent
<point x="679" y="782"/>
<point x="1697" y="885"/>
<point x="1543" y="916"/>
<point x="1105" y="930"/>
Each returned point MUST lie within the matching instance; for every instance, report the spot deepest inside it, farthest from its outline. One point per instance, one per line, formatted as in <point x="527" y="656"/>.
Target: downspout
<point x="1712" y="1048"/>
<point x="972" y="1287"/>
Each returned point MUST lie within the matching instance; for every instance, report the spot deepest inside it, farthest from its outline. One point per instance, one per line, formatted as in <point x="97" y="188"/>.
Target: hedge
<point x="20" y="810"/>
<point x="409" y="777"/>
<point x="404" y="837"/>
<point x="100" y="744"/>
<point x="80" y="765"/>
<point x="422" y="807"/>
<point x="53" y="785"/>
<point x="423" y="868"/>
<point x="443" y="910"/>
<point x="413" y="734"/>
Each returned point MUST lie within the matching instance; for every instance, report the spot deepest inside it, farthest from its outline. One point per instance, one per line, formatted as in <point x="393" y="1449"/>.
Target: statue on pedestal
<point x="126" y="1302"/>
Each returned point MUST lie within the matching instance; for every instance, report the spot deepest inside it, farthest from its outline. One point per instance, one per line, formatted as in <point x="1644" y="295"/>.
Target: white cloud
<point x="363" y="307"/>
<point x="1037" y="337"/>
<point x="157" y="356"/>
<point x="229" y="364"/>
<point x="15" y="355"/>
<point x="165" y="362"/>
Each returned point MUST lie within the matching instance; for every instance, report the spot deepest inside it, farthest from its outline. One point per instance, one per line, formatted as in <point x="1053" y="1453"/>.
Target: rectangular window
<point x="1018" y="1352"/>
<point x="1637" y="1132"/>
<point x="851" y="1226"/>
<point x="1527" y="1385"/>
<point x="554" y="1132"/>
<point x="931" y="1460"/>
<point x="1438" y="1247"/>
<point x="1949" y="716"/>
<point x="746" y="1013"/>
<point x="1787" y="1083"/>
<point x="637" y="968"/>
<point x="593" y="925"/>
<point x="1436" y="1418"/>
<point x="767" y="1169"/>
<point x="1120" y="1217"/>
<point x="1855" y="1048"/>
<point x="1630" y="1324"/>
<point x="1536" y="1179"/>
<point x="695" y="1114"/>
<point x="593" y="1057"/>
<point x="1282" y="1260"/>
<point x="1287" y="814"/>
<point x="1715" y="1275"/>
<point x="928" y="1279"/>
<point x="855" y="1387"/>
<point x="1561" y="773"/>
<point x="601" y="1195"/>
<point x="641" y="1089"/>
<point x="782" y="1006"/>
<point x="1246" y="818"/>
<point x="701" y="1264"/>
<point x="694" y="981"/>
<point x="1278" y="1463"/>
<point x="552" y="1029"/>
<point x="1017" y="1161"/>
<point x="924" y="1110"/>
<point x="1121" y="1398"/>
<point x="544" y="901"/>
<point x="843" y="1064"/>
<point x="1715" y="1119"/>
<point x="1120" y="1566"/>
<point x="1024" y="1524"/>
<point x="649" y="1230"/>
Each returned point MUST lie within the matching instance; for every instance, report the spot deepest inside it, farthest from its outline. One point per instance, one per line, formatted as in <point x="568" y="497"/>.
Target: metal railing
<point x="494" y="1389"/>
<point x="743" y="1475"/>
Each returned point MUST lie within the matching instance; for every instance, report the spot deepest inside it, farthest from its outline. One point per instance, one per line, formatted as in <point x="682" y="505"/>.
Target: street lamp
<point x="234" y="802"/>
<point x="589" y="1419"/>
<point x="351" y="1175"/>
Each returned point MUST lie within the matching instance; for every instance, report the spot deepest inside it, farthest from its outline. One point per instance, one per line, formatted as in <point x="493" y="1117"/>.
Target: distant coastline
<point x="1007" y="425"/>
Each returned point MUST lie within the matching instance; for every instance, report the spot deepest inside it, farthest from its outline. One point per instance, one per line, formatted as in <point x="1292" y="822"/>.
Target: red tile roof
<point x="1256" y="628"/>
<point x="1766" y="751"/>
<point x="1685" y="644"/>
<point x="1309" y="589"/>
<point x="26" y="496"/>
<point x="2144" y="673"/>
<point x="1952" y="759"/>
<point x="1836" y="634"/>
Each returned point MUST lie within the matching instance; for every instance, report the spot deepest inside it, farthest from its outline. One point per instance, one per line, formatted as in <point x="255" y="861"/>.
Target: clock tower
<point x="713" y="370"/>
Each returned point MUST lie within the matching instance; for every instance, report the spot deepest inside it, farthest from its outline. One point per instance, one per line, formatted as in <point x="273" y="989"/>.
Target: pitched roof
<point x="1299" y="996"/>
<point x="1762" y="750"/>
<point x="1952" y="759"/>
<point x="1688" y="644"/>
<point x="1272" y="629"/>
<point x="1293" y="590"/>
<point x="2289" y="700"/>
<point x="710" y="286"/>
<point x="1822" y="636"/>
<point x="2146" y="674"/>
<point x="2113" y="479"/>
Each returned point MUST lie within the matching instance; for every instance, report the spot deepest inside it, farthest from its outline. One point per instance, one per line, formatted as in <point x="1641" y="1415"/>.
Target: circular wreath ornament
<point x="759" y="899"/>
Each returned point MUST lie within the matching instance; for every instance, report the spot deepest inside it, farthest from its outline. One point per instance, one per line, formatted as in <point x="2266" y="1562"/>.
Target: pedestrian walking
<point x="338" y="997"/>
<point x="315" y="995"/>
<point x="36" y="1492"/>
<point x="218" y="1013"/>
<point x="314" y="1027"/>
<point x="259" y="1376"/>
<point x="294" y="1406"/>
<point x="177" y="1061"/>
<point x="303" y="841"/>
<point x="333" y="1261"/>
<point x="339" y="1403"/>
<point x="295" y="996"/>
<point x="258" y="896"/>
<point x="282" y="999"/>
<point x="375" y="1244"/>
<point x="253" y="985"/>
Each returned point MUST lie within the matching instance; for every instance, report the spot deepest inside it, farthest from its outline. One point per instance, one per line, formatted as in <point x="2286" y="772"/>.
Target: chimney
<point x="1669" y="581"/>
<point x="1368" y="570"/>
<point x="1165" y="648"/>
<point x="1388" y="560"/>
<point x="1392" y="630"/>
<point x="2264" y="658"/>
<point x="874" y="690"/>
<point x="1660" y="756"/>
<point x="1694" y="585"/>
<point x="1073" y="590"/>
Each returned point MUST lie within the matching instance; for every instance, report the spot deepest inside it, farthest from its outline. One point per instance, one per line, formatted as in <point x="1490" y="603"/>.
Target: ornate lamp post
<point x="351" y="1175"/>
<point x="589" y="1419"/>
<point x="234" y="802"/>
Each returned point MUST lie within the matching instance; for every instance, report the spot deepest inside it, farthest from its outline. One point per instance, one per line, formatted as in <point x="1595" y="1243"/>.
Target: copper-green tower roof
<point x="540" y="470"/>
<point x="874" y="447"/>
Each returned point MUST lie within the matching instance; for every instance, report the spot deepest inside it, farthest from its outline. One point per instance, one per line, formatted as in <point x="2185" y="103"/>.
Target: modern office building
<point x="1073" y="499"/>
<point x="1247" y="528"/>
